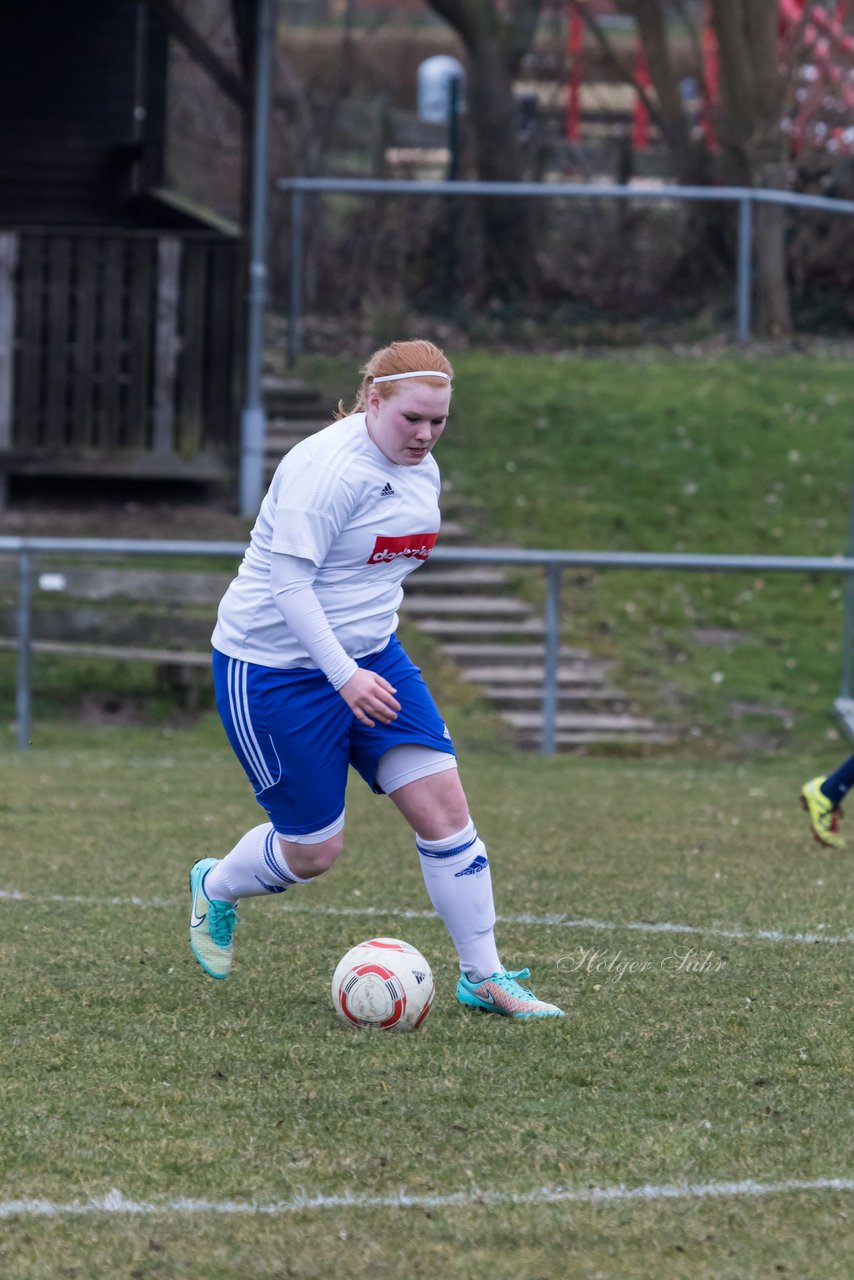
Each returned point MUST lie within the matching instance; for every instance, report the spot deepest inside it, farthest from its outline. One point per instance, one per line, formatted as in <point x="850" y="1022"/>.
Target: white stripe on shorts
<point x="238" y="705"/>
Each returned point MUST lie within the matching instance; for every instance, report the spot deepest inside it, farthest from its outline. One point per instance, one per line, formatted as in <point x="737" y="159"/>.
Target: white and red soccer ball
<point x="383" y="983"/>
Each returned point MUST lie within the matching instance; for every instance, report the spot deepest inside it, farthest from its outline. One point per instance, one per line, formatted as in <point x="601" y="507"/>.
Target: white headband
<point x="418" y="373"/>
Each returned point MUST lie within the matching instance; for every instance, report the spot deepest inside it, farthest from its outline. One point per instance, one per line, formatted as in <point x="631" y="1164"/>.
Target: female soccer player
<point x="310" y="677"/>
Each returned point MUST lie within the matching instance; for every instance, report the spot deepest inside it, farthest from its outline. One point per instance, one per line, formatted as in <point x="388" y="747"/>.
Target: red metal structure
<point x="815" y="48"/>
<point x="814" y="40"/>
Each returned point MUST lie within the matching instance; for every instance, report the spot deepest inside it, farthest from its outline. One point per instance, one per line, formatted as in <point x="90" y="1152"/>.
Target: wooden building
<point x="120" y="308"/>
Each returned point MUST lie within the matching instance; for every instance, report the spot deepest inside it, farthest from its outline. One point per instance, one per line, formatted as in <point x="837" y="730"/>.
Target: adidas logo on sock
<point x="387" y="492"/>
<point x="474" y="868"/>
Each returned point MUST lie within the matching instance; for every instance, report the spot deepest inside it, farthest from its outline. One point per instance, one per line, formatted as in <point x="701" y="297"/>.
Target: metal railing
<point x="743" y="197"/>
<point x="553" y="562"/>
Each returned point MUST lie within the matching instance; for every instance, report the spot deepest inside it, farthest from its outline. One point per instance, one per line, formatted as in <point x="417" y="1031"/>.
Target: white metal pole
<point x="253" y="422"/>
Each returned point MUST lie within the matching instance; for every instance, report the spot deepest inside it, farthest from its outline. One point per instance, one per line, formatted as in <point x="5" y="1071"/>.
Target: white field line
<point x="553" y="921"/>
<point x="116" y="1203"/>
<point x="560" y="921"/>
<point x="12" y="895"/>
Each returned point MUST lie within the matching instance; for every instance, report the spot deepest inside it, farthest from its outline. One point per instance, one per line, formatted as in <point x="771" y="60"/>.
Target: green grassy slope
<point x="728" y="453"/>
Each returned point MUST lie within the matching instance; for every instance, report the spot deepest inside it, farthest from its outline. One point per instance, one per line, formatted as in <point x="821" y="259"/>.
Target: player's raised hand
<point x="368" y="694"/>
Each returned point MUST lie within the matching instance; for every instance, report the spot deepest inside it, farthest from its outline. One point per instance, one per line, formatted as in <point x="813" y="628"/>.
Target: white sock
<point x="456" y="872"/>
<point x="256" y="865"/>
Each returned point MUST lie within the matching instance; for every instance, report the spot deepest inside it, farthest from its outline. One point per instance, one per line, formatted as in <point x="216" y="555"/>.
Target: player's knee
<point x="455" y="813"/>
<point x="447" y="812"/>
<point x="308" y="860"/>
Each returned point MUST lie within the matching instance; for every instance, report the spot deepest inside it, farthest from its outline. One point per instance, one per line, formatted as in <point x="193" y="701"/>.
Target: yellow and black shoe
<point x="823" y="814"/>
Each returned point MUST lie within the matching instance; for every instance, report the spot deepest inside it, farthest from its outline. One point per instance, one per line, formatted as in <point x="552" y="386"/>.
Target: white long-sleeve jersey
<point x="365" y="522"/>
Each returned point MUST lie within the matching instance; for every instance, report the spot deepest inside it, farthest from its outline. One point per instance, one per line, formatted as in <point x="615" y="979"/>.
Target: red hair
<point x="398" y="357"/>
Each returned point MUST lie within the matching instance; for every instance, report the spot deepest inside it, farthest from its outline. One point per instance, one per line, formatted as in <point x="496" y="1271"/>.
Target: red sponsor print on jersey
<point x="416" y="546"/>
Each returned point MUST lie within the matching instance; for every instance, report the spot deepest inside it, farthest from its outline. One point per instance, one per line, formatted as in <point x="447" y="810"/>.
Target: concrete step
<point x="286" y="384"/>
<point x="305" y="424"/>
<point x="452" y="531"/>
<point x="512" y="652"/>
<point x="575" y="722"/>
<point x="470" y="606"/>
<point x="281" y="414"/>
<point x="530" y="675"/>
<point x="141" y="587"/>
<point x="436" y="576"/>
<point x="575" y="739"/>
<point x="282" y="434"/>
<point x="114" y="652"/>
<point x="531" y="699"/>
<point x="468" y="628"/>
<point x="288" y="396"/>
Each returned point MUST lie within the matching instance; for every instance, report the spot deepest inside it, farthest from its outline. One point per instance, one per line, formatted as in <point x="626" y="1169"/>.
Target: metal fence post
<point x="28" y="549"/>
<point x="744" y="197"/>
<point x="847" y="630"/>
<point x="24" y="633"/>
<point x="297" y="268"/>
<point x="848" y="615"/>
<point x="253" y="419"/>
<point x="744" y="282"/>
<point x="551" y="659"/>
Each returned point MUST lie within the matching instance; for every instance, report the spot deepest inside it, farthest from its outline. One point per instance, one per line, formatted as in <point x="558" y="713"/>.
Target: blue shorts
<point x="295" y="736"/>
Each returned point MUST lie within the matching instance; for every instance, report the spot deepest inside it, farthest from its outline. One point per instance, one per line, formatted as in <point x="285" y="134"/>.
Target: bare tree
<point x="750" y="148"/>
<point x="752" y="104"/>
<point x="496" y="37"/>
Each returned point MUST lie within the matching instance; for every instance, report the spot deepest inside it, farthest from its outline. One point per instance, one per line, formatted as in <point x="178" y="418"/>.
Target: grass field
<point x="699" y="941"/>
<point x="691" y="1119"/>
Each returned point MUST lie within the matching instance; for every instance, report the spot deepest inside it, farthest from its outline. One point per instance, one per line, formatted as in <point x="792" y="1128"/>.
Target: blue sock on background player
<point x="838" y="784"/>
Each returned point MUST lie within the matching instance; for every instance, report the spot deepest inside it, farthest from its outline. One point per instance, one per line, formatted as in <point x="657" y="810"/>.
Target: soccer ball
<point x="383" y="983"/>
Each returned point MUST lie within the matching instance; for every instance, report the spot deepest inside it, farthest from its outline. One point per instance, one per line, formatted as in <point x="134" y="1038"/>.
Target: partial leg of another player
<point x="823" y="815"/>
<point x="822" y="798"/>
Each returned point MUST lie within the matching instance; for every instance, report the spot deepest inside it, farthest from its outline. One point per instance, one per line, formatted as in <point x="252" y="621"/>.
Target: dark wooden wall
<point x="118" y="353"/>
<point x="120" y="320"/>
<point x="82" y="109"/>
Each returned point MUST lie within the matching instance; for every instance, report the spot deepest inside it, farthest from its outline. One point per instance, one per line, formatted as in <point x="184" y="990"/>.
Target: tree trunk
<point x="771" y="286"/>
<point x="496" y="40"/>
<point x="751" y="108"/>
<point x="706" y="242"/>
<point x="753" y="144"/>
<point x="689" y="156"/>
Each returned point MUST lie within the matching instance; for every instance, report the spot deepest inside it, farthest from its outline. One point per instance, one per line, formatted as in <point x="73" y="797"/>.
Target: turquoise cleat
<point x="502" y="994"/>
<point x="212" y="924"/>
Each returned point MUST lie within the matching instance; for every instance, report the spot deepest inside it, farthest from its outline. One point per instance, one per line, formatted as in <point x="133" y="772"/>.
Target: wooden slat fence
<point x="119" y="352"/>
